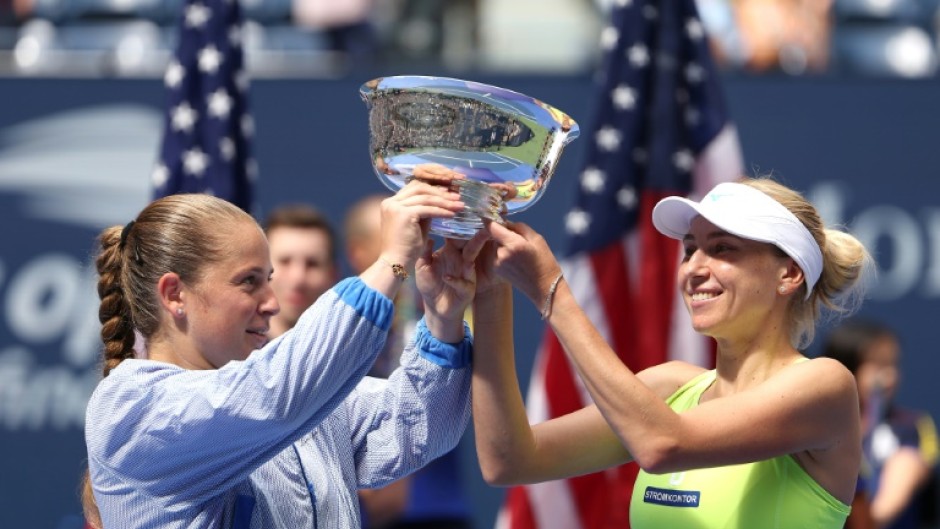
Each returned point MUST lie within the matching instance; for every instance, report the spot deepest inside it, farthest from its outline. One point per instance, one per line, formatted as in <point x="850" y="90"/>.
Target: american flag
<point x="661" y="128"/>
<point x="208" y="129"/>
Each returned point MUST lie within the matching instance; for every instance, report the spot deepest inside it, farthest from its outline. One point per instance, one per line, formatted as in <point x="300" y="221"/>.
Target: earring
<point x="782" y="289"/>
<point x="179" y="311"/>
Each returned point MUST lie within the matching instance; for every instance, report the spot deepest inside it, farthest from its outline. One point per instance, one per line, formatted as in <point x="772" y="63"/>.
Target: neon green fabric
<point x="771" y="494"/>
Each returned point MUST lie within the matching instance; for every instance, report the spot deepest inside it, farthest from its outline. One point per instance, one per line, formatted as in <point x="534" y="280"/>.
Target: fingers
<point x="472" y="247"/>
<point x="506" y="190"/>
<point x="425" y="200"/>
<point x="524" y="230"/>
<point x="428" y="205"/>
<point x="436" y="174"/>
<point x="457" y="244"/>
<point x="503" y="234"/>
<point x="428" y="250"/>
<point x="453" y="251"/>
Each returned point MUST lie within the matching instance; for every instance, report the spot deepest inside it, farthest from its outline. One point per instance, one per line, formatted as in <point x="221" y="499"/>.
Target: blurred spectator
<point x="792" y="35"/>
<point x="769" y="35"/>
<point x="346" y="24"/>
<point x="303" y="252"/>
<point x="12" y="12"/>
<point x="900" y="444"/>
<point x="433" y="497"/>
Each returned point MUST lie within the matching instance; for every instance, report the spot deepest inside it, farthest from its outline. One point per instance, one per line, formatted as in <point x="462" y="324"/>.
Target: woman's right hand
<point x="523" y="258"/>
<point x="406" y="219"/>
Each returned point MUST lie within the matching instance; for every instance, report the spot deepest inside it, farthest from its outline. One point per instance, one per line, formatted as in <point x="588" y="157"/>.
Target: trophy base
<point x="481" y="201"/>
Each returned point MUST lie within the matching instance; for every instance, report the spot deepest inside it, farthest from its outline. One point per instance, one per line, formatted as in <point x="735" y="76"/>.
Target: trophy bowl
<point x="505" y="144"/>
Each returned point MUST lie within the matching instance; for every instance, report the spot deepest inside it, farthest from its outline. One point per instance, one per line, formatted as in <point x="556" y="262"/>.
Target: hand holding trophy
<point x="503" y="144"/>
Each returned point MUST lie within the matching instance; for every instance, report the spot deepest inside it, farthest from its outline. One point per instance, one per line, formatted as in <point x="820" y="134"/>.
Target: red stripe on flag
<point x="589" y="492"/>
<point x="592" y="495"/>
<point x="564" y="396"/>
<point x="657" y="284"/>
<point x="613" y="288"/>
<point x="622" y="492"/>
<point x="519" y="509"/>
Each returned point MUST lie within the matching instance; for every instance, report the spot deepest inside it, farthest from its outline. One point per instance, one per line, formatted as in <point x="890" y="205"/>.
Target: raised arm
<point x="422" y="410"/>
<point x="509" y="450"/>
<point x="405" y="223"/>
<point x="808" y="406"/>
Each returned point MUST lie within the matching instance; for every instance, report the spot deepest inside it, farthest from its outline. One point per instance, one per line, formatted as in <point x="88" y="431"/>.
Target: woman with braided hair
<point x="217" y="427"/>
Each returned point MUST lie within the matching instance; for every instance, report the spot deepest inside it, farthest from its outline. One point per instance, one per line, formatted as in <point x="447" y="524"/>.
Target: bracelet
<point x="547" y="305"/>
<point x="397" y="268"/>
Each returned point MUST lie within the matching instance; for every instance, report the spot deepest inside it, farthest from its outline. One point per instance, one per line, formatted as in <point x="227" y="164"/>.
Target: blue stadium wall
<point x="76" y="155"/>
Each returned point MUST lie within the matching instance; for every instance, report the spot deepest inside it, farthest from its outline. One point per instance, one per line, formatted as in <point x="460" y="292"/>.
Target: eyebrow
<point x="716" y="234"/>
<point x="253" y="270"/>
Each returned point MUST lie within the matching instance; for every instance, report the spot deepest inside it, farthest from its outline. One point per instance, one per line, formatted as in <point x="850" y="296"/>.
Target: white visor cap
<point x="748" y="213"/>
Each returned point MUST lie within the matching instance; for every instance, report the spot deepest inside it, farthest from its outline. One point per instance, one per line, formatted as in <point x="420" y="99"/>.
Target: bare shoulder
<point x="665" y="379"/>
<point x="826" y="373"/>
<point x="807" y="384"/>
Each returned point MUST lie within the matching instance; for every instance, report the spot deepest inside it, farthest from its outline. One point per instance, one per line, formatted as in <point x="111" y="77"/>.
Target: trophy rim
<point x="432" y="108"/>
<point x="371" y="88"/>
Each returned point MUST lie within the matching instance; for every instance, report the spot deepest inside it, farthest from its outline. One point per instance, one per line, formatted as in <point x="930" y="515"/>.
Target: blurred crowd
<point x="793" y="37"/>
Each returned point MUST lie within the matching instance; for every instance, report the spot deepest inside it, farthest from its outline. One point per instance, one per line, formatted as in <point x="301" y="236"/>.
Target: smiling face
<point x="729" y="284"/>
<point x="228" y="311"/>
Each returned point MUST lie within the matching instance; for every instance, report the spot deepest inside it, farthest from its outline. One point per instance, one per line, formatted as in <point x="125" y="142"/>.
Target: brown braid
<point x="114" y="313"/>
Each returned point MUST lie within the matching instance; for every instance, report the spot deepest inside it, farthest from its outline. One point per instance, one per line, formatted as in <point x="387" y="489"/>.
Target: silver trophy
<point x="506" y="144"/>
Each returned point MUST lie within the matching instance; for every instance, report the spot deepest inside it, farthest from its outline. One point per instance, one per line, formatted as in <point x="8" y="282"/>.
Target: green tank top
<point x="776" y="493"/>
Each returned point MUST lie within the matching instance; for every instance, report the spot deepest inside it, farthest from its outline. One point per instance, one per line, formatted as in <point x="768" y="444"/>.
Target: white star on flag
<point x="694" y="29"/>
<point x="174" y="75"/>
<point x="159" y="175"/>
<point x="624" y="97"/>
<point x="608" y="138"/>
<point x="626" y="197"/>
<point x="227" y="148"/>
<point x="184" y="117"/>
<point x="219" y="104"/>
<point x="197" y="15"/>
<point x="684" y="160"/>
<point x="235" y="36"/>
<point x="209" y="59"/>
<point x="248" y="126"/>
<point x="638" y="55"/>
<point x="577" y="222"/>
<point x="609" y="36"/>
<point x="694" y="73"/>
<point x="195" y="161"/>
<point x="592" y="180"/>
<point x="241" y="80"/>
<point x="251" y="169"/>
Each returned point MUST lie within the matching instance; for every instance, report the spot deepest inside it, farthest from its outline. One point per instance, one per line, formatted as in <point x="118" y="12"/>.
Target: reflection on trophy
<point x="505" y="144"/>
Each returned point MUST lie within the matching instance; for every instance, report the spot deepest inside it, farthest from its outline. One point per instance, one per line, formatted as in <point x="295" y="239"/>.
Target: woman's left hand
<point x="446" y="279"/>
